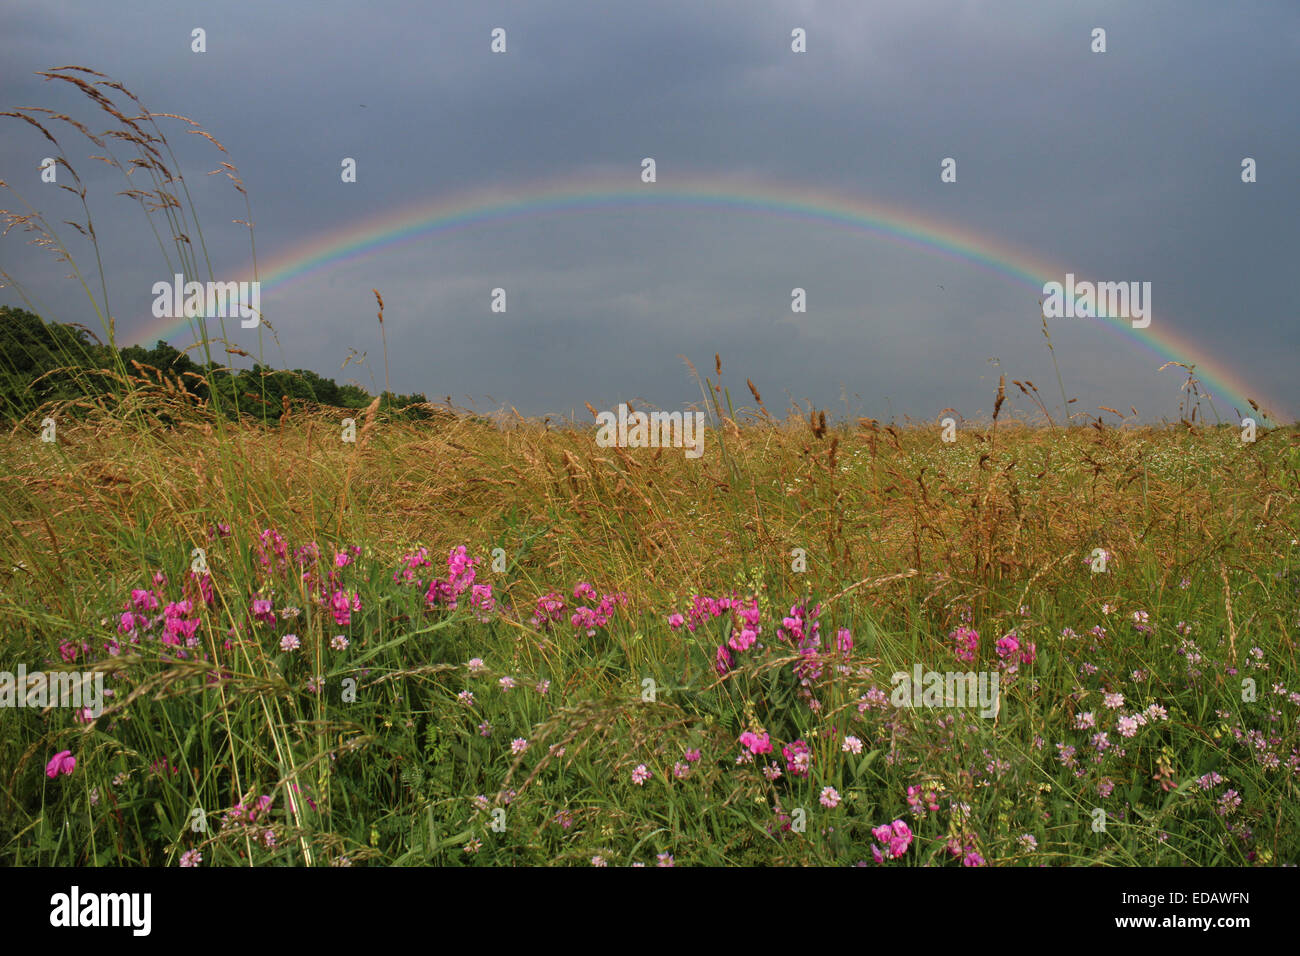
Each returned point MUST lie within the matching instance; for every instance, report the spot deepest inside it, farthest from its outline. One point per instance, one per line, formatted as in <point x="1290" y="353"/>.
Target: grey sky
<point x="1123" y="165"/>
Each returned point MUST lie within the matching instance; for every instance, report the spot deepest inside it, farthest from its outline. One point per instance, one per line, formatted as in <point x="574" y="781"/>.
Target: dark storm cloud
<point x="1123" y="166"/>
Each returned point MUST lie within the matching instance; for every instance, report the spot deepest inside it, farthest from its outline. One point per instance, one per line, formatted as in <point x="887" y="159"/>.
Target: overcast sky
<point x="1123" y="166"/>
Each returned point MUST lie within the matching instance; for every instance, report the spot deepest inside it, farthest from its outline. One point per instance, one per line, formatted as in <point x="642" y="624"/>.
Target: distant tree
<point x="41" y="362"/>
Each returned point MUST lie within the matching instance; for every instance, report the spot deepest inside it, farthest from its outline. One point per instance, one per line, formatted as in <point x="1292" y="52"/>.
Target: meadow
<point x="476" y="642"/>
<point x="469" y="640"/>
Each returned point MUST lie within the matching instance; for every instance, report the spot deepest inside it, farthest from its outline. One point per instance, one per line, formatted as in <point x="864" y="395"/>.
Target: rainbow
<point x="475" y="209"/>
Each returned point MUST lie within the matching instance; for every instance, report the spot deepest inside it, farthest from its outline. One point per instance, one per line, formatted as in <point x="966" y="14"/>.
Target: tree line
<point x="42" y="362"/>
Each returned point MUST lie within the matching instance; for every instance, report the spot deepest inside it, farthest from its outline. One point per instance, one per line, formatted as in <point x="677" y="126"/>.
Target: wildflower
<point x="743" y="639"/>
<point x="1127" y="725"/>
<point x="598" y="860"/>
<point x="681" y="770"/>
<point x="967" y="640"/>
<point x="1229" y="802"/>
<point x="191" y="858"/>
<point x="1106" y="787"/>
<point x="62" y="762"/>
<point x="896" y="837"/>
<point x="1007" y="645"/>
<point x="1085" y="721"/>
<point x="852" y="745"/>
<point x="473" y="846"/>
<point x="665" y="859"/>
<point x="289" y="643"/>
<point x="1108" y="609"/>
<point x="338" y="642"/>
<point x="918" y="800"/>
<point x="1065" y="753"/>
<point x="829" y="798"/>
<point x="485" y="729"/>
<point x="798" y="758"/>
<point x="692" y="756"/>
<point x="972" y="859"/>
<point x="843" y="641"/>
<point x="507" y="683"/>
<point x="757" y="744"/>
<point x="543" y="687"/>
<point x="475" y="665"/>
<point x="262" y="611"/>
<point x="518" y="745"/>
<point x="675" y="621"/>
<point x="641" y="774"/>
<point x="342" y="605"/>
<point x="772" y="772"/>
<point x="550" y="610"/>
<point x="1028" y="841"/>
<point x="1113" y="701"/>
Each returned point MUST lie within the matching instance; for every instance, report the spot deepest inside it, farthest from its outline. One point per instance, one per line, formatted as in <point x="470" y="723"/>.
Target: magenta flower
<point x="482" y="601"/>
<point x="798" y="758"/>
<point x="967" y="640"/>
<point x="343" y="604"/>
<point x="757" y="743"/>
<point x="61" y="762"/>
<point x="262" y="611"/>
